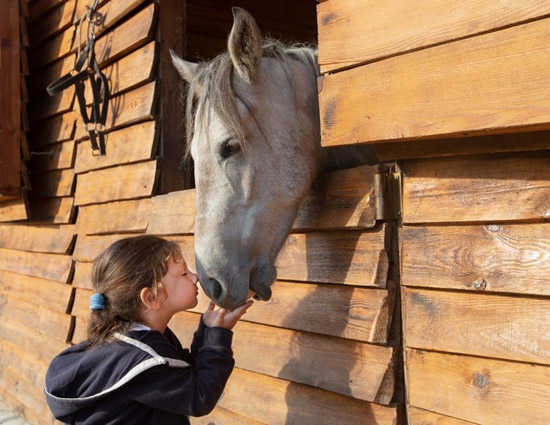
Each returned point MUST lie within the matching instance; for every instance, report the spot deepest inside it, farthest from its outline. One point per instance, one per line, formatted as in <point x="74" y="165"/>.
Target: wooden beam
<point x="387" y="100"/>
<point x="48" y="266"/>
<point x="490" y="258"/>
<point x="127" y="216"/>
<point x="507" y="187"/>
<point x="116" y="183"/>
<point x="408" y="25"/>
<point x="50" y="239"/>
<point x="479" y="390"/>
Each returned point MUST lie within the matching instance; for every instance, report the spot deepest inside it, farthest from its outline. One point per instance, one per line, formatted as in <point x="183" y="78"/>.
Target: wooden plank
<point x="54" y="296"/>
<point x="57" y="20"/>
<point x="397" y="27"/>
<point x="80" y="331"/>
<point x="491" y="258"/>
<point x="39" y="7"/>
<point x="362" y="314"/>
<point x="82" y="275"/>
<point x="81" y="304"/>
<point x="55" y="129"/>
<point x="117" y="183"/>
<point x="450" y="147"/>
<point x="127" y="216"/>
<point x="129" y="144"/>
<point x="277" y="402"/>
<point x="52" y="211"/>
<point x="54" y="157"/>
<point x="60" y="103"/>
<point x="223" y="416"/>
<point x="49" y="74"/>
<point x="54" y="49"/>
<point x="52" y="184"/>
<point x="10" y="399"/>
<point x="28" y="366"/>
<point x="10" y="118"/>
<point x="351" y="368"/>
<point x="478" y="324"/>
<point x="350" y="257"/>
<point x="129" y="72"/>
<point x="485" y="188"/>
<point x="132" y="107"/>
<point x="423" y="417"/>
<point x="53" y="239"/>
<point x="48" y="322"/>
<point x="89" y="247"/>
<point x="484" y="391"/>
<point x="173" y="213"/>
<point x="387" y="100"/>
<point x="48" y="266"/>
<point x="14" y="210"/>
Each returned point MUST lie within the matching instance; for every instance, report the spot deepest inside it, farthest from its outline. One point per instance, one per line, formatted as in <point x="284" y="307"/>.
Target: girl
<point x="132" y="369"/>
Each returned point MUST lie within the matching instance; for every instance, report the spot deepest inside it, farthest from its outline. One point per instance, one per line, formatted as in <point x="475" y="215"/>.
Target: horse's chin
<point x="261" y="280"/>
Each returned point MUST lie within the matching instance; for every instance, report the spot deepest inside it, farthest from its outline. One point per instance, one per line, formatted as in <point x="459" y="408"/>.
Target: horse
<point x="253" y="131"/>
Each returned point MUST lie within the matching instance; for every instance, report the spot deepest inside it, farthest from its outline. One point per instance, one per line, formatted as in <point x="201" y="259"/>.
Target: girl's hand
<point x="223" y="318"/>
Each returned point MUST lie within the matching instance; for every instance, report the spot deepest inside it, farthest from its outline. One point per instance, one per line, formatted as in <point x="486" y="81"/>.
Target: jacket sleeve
<point x="190" y="391"/>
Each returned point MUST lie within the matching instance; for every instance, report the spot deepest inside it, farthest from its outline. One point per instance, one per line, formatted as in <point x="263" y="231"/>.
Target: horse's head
<point x="252" y="118"/>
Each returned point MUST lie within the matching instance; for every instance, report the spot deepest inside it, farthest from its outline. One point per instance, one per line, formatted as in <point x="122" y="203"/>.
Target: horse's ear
<point x="186" y="69"/>
<point x="245" y="44"/>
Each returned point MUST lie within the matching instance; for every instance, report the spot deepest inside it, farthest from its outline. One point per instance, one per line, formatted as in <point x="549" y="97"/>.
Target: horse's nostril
<point x="217" y="289"/>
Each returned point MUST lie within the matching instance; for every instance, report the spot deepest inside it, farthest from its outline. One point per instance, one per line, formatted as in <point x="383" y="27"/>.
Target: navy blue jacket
<point x="143" y="377"/>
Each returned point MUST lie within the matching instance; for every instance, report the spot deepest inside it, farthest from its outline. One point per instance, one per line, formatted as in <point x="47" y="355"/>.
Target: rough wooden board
<point x="129" y="72"/>
<point x="28" y="366"/>
<point x="31" y="340"/>
<point x="53" y="295"/>
<point x="48" y="266"/>
<point x="81" y="303"/>
<point x="14" y="210"/>
<point x="55" y="129"/>
<point x="469" y="79"/>
<point x="129" y="144"/>
<point x="10" y="399"/>
<point x="348" y="257"/>
<point x="57" y="20"/>
<point x="484" y="188"/>
<point x="38" y="83"/>
<point x="354" y="32"/>
<point x="51" y="239"/>
<point x="117" y="183"/>
<point x="484" y="391"/>
<point x="48" y="106"/>
<point x="494" y="326"/>
<point x="346" y="367"/>
<point x="521" y="142"/>
<point x="127" y="216"/>
<point x="54" y="49"/>
<point x="491" y="258"/>
<point x="221" y="416"/>
<point x="131" y="107"/>
<point x="46" y="321"/>
<point x="355" y="313"/>
<point x="82" y="273"/>
<point x="10" y="118"/>
<point x="423" y="417"/>
<point x="54" y="157"/>
<point x="173" y="213"/>
<point x="89" y="247"/>
<point x="39" y="7"/>
<point x="53" y="184"/>
<point x="277" y="402"/>
<point x="52" y="211"/>
<point x="80" y="332"/>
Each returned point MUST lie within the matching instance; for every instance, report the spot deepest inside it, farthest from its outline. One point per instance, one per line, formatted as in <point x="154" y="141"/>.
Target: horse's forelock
<point x="212" y="85"/>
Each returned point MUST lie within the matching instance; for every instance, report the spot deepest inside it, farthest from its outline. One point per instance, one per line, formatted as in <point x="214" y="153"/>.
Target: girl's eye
<point x="229" y="147"/>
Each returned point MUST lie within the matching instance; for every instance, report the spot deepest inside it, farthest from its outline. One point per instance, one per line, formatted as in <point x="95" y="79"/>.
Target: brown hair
<point x="119" y="274"/>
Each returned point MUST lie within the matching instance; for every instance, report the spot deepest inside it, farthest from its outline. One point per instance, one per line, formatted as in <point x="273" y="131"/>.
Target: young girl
<point x="132" y="369"/>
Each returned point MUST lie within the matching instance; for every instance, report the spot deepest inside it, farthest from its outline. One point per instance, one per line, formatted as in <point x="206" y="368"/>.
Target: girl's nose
<point x="194" y="278"/>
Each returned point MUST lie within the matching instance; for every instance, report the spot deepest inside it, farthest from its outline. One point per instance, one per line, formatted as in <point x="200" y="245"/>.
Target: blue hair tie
<point x="97" y="302"/>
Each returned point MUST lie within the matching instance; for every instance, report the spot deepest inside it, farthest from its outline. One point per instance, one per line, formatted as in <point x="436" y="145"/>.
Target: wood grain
<point x="14" y="210"/>
<point x="53" y="239"/>
<point x="479" y="390"/>
<point x="455" y="89"/>
<point x="478" y="324"/>
<point x="52" y="184"/>
<point x="52" y="211"/>
<point x="492" y="258"/>
<point x="116" y="183"/>
<point x="113" y="217"/>
<point x="48" y="266"/>
<point x="423" y="417"/>
<point x="53" y="130"/>
<point x="397" y="27"/>
<point x="55" y="157"/>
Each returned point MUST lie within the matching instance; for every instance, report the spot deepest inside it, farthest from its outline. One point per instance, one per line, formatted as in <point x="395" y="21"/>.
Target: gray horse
<point x="253" y="126"/>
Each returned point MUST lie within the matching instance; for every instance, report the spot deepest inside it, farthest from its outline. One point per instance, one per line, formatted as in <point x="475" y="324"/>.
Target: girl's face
<point x="181" y="287"/>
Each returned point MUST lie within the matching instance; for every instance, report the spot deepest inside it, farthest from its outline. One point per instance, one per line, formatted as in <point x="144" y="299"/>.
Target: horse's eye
<point x="229" y="147"/>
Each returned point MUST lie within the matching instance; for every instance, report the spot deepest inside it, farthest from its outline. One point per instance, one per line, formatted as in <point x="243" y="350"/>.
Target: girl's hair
<point x="119" y="274"/>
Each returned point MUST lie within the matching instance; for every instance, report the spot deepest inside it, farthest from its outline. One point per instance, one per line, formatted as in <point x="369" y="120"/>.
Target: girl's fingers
<point x="211" y="306"/>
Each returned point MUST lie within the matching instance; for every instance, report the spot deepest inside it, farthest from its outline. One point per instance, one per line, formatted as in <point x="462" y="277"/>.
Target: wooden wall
<point x="322" y="351"/>
<point x="457" y="94"/>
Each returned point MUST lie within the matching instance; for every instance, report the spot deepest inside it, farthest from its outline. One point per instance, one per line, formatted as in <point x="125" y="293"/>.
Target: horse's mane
<point x="213" y="82"/>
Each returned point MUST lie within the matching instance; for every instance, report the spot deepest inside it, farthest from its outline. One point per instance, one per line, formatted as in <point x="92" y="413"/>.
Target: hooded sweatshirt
<point x="143" y="377"/>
